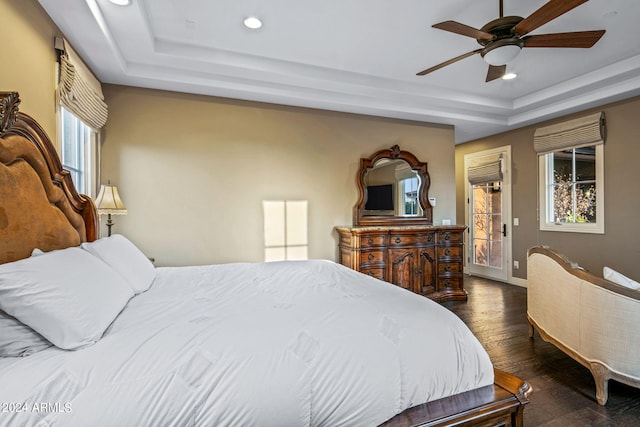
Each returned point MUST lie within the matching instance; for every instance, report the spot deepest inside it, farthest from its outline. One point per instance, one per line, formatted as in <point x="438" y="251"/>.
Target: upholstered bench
<point x="593" y="320"/>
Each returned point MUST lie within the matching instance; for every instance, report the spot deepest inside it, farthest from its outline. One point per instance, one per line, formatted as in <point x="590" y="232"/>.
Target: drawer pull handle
<point x="370" y="240"/>
<point x="447" y="252"/>
<point x="371" y="273"/>
<point x="371" y="257"/>
<point x="430" y="238"/>
<point x="447" y="267"/>
<point x="398" y="240"/>
<point x="447" y="283"/>
<point x="447" y="236"/>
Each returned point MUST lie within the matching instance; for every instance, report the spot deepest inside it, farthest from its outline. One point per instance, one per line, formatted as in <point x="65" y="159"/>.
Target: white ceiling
<point x="357" y="56"/>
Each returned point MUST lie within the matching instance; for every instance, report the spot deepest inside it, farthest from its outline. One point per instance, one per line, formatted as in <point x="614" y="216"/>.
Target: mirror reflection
<point x="392" y="189"/>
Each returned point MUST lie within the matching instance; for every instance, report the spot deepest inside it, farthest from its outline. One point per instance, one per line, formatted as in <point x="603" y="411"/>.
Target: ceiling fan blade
<point x="583" y="39"/>
<point x="495" y="72"/>
<point x="451" y="61"/>
<point x="462" y="29"/>
<point x="551" y="10"/>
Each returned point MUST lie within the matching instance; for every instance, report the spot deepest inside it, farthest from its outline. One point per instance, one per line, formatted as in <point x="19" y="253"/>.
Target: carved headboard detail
<point x="39" y="205"/>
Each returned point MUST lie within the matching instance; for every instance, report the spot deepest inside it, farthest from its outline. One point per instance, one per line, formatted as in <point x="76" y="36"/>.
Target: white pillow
<point x="125" y="258"/>
<point x="619" y="278"/>
<point x="68" y="296"/>
<point x="37" y="252"/>
<point x="17" y="339"/>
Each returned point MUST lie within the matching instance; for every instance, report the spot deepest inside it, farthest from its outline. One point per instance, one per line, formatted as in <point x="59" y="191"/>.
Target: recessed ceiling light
<point x="253" y="23"/>
<point x="120" y="2"/>
<point x="509" y="76"/>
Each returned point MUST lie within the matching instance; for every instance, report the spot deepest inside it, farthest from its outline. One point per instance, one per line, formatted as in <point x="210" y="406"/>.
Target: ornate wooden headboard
<point x="39" y="205"/>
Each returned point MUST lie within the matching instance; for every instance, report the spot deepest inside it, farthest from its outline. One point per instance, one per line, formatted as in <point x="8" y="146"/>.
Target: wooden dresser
<point x="425" y="259"/>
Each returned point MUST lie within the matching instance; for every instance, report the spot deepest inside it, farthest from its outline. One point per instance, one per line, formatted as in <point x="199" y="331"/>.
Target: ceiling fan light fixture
<point x="121" y="2"/>
<point x="509" y="76"/>
<point x="502" y="52"/>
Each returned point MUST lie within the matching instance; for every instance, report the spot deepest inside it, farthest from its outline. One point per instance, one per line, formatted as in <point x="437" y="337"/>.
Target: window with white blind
<point x="82" y="113"/>
<point x="571" y="174"/>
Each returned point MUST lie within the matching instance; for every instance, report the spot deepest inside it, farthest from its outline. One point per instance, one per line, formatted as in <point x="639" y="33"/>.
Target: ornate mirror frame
<point x="393" y="153"/>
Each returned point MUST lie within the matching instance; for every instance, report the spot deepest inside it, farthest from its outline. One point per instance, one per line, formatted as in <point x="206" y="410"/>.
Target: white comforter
<point x="299" y="343"/>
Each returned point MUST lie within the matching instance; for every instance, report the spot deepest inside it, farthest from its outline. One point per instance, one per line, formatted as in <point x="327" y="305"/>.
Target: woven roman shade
<point x="484" y="173"/>
<point x="78" y="89"/>
<point x="404" y="171"/>
<point x="581" y="132"/>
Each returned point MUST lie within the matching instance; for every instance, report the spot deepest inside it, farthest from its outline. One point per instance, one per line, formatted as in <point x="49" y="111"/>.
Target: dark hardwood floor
<point x="564" y="391"/>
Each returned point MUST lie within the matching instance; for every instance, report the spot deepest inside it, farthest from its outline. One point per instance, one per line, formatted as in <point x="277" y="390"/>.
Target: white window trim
<point x="594" y="228"/>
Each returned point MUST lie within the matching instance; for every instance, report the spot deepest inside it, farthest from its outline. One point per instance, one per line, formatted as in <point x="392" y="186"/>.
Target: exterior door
<point x="489" y="218"/>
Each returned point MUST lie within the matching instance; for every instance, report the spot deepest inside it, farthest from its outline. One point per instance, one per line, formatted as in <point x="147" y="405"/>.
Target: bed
<point x="93" y="334"/>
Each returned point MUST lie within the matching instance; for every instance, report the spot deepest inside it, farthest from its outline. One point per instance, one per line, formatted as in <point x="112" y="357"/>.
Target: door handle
<point x="504" y="230"/>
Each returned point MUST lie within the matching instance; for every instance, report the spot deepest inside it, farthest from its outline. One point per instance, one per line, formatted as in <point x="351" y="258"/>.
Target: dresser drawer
<point x="445" y="283"/>
<point x="377" y="272"/>
<point x="450" y="252"/>
<point x="373" y="240"/>
<point x="449" y="267"/>
<point x="372" y="257"/>
<point x="449" y="237"/>
<point x="411" y="239"/>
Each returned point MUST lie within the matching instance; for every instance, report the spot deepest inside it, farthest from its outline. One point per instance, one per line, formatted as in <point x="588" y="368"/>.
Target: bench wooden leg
<point x="601" y="377"/>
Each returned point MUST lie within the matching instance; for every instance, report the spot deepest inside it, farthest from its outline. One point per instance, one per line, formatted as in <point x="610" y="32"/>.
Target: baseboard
<point x="518" y="282"/>
<point x="512" y="280"/>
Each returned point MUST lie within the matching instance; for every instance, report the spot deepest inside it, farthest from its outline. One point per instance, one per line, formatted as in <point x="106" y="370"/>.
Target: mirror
<point x="393" y="189"/>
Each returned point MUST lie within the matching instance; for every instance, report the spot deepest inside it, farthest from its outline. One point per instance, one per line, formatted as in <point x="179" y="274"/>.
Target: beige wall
<point x="194" y="170"/>
<point x="159" y="143"/>
<point x="28" y="59"/>
<point x="619" y="247"/>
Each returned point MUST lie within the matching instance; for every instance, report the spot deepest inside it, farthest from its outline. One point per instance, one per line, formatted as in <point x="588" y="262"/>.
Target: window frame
<point x="545" y="171"/>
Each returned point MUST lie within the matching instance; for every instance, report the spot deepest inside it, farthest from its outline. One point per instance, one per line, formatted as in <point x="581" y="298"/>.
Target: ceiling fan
<point x="504" y="37"/>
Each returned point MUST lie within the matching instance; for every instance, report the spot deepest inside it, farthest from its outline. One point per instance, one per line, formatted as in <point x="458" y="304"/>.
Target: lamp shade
<point x="109" y="202"/>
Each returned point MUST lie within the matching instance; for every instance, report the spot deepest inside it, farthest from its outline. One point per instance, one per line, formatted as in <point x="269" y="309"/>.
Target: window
<point x="409" y="194"/>
<point x="572" y="190"/>
<point x="79" y="152"/>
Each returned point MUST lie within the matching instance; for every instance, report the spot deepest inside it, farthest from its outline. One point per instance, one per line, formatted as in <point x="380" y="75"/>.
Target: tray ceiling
<point x="358" y="56"/>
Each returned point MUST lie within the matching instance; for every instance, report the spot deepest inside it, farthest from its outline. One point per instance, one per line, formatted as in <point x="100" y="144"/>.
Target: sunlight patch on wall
<point x="285" y="230"/>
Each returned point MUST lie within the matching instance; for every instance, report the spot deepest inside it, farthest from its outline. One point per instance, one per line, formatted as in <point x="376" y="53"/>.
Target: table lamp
<point x="109" y="203"/>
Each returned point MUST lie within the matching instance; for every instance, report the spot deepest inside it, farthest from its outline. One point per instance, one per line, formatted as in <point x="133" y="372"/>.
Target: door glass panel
<point x="487" y="225"/>
<point x="496" y="227"/>
<point x="479" y="199"/>
<point x="480" y="226"/>
<point x="495" y="198"/>
<point x="480" y="252"/>
<point x="495" y="250"/>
